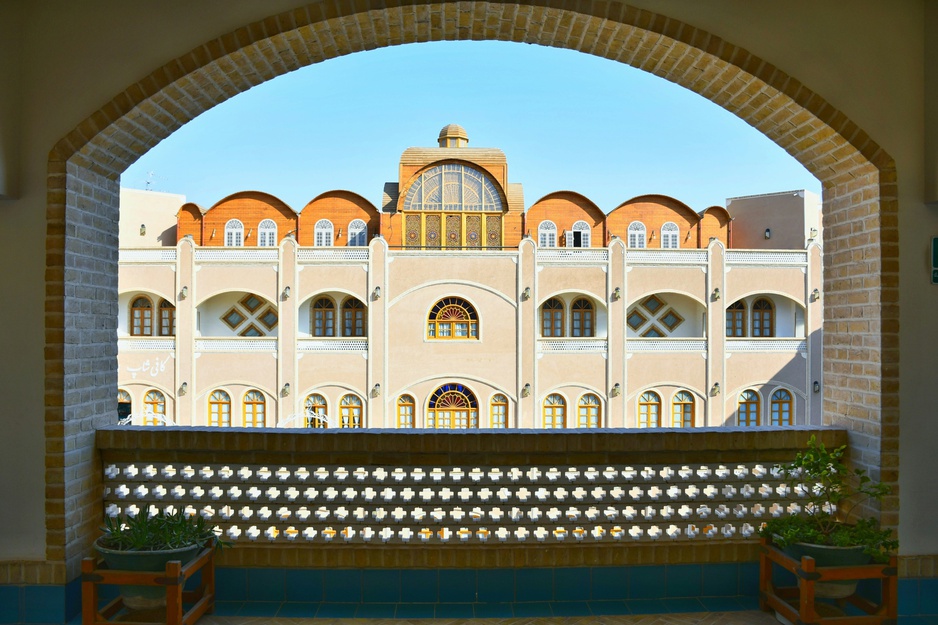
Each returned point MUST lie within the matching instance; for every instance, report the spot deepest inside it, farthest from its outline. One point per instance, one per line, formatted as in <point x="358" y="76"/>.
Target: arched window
<point x="267" y="233"/>
<point x="782" y="413"/>
<point x="582" y="318"/>
<point x="552" y="318"/>
<point x="154" y="408"/>
<point x="547" y="234"/>
<point x="167" y="319"/>
<point x="749" y="407"/>
<point x="255" y="408"/>
<point x="125" y="406"/>
<point x="649" y="410"/>
<point x="219" y="409"/>
<point x="323" y="233"/>
<point x="354" y="318"/>
<point x="453" y="318"/>
<point x="579" y="236"/>
<point x="405" y="411"/>
<point x="736" y="319"/>
<point x="452" y="206"/>
<point x="323" y="317"/>
<point x="452" y="406"/>
<point x="763" y="318"/>
<point x="636" y="235"/>
<point x="316" y="411"/>
<point x="350" y="412"/>
<point x="141" y="317"/>
<point x="670" y="236"/>
<point x="499" y="411"/>
<point x="682" y="410"/>
<point x="234" y="233"/>
<point x="589" y="412"/>
<point x="452" y="187"/>
<point x="357" y="233"/>
<point x="555" y="412"/>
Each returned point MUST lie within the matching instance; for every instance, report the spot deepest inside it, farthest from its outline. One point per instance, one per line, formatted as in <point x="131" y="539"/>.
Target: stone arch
<point x="858" y="177"/>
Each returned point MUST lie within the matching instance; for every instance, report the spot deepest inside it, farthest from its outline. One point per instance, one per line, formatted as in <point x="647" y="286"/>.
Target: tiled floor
<point x="708" y="618"/>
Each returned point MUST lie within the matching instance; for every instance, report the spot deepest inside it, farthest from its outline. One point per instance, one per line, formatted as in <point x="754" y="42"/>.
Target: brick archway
<point x="859" y="180"/>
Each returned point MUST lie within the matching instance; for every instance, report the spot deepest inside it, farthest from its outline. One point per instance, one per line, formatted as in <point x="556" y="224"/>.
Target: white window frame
<point x="637" y="235"/>
<point x="670" y="236"/>
<point x="547" y="234"/>
<point x="584" y="229"/>
<point x="267" y="233"/>
<point x="324" y="233"/>
<point x="357" y="233"/>
<point x="234" y="233"/>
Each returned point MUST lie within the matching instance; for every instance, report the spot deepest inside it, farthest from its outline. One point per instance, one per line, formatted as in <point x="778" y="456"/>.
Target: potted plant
<point x="826" y="530"/>
<point x="147" y="542"/>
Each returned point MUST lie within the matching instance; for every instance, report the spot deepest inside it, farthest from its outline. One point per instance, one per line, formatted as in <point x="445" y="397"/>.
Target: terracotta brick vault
<point x="861" y="309"/>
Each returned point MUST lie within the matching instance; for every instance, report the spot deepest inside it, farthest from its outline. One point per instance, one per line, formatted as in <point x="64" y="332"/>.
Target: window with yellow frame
<point x="453" y="318"/>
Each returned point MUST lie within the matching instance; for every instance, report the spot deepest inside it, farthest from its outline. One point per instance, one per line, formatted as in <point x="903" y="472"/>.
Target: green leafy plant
<point x="159" y="532"/>
<point x="831" y="493"/>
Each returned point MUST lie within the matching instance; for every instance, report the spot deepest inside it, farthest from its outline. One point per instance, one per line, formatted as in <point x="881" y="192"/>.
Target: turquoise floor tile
<point x="376" y="610"/>
<point x="298" y="609"/>
<point x="414" y="610"/>
<point x="493" y="610"/>
<point x="570" y="608"/>
<point x="259" y="608"/>
<point x="336" y="610"/>
<point x="532" y="609"/>
<point x="454" y="610"/>
<point x="611" y="608"/>
<point x="647" y="606"/>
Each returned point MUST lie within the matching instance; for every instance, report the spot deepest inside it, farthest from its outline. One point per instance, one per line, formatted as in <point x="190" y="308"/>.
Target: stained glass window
<point x="453" y="406"/>
<point x="452" y="187"/>
<point x="453" y="318"/>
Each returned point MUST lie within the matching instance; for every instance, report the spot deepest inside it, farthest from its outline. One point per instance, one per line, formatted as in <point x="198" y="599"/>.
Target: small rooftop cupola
<point x="453" y="136"/>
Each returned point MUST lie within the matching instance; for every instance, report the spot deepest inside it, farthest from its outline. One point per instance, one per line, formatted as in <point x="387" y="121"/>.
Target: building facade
<point x="451" y="306"/>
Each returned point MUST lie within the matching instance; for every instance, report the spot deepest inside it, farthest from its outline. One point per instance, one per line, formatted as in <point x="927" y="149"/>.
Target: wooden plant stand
<point x="202" y="600"/>
<point x="783" y="599"/>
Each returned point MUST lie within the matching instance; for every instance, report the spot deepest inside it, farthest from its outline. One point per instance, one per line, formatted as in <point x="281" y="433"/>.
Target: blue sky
<point x="565" y="120"/>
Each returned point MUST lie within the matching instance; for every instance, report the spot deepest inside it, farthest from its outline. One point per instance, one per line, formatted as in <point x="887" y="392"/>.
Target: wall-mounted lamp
<point x="376" y="390"/>
<point x="652" y="237"/>
<point x="248" y="235"/>
<point x="526" y="293"/>
<point x="813" y="233"/>
<point x="768" y="233"/>
<point x="817" y="386"/>
<point x="376" y="294"/>
<point x="183" y="388"/>
<point x="285" y="390"/>
<point x="815" y="295"/>
<point x="286" y="293"/>
<point x="716" y="294"/>
<point x="143" y="230"/>
<point x="184" y="293"/>
<point x="213" y="234"/>
<point x="339" y="236"/>
<point x="526" y="389"/>
<point x="616" y="390"/>
<point x="616" y="294"/>
<point x="715" y="389"/>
